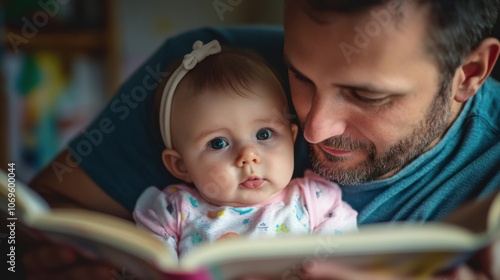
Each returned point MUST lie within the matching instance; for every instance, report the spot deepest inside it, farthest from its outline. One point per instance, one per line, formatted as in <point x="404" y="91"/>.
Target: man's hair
<point x="456" y="27"/>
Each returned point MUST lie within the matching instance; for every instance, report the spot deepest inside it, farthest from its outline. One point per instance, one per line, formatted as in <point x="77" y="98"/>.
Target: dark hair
<point x="456" y="27"/>
<point x="231" y="71"/>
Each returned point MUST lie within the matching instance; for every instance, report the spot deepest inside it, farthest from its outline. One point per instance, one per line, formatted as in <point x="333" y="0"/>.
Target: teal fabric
<point x="121" y="149"/>
<point x="465" y="165"/>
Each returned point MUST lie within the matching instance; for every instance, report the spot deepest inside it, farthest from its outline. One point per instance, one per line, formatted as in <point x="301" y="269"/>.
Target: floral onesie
<point x="181" y="218"/>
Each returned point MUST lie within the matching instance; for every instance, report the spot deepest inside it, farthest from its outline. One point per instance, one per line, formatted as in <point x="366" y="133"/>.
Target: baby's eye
<point x="264" y="134"/>
<point x="217" y="144"/>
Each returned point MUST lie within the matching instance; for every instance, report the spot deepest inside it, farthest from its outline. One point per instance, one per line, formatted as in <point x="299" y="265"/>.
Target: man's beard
<point x="398" y="156"/>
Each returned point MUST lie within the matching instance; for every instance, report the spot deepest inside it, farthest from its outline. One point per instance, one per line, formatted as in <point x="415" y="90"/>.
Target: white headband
<point x="190" y="60"/>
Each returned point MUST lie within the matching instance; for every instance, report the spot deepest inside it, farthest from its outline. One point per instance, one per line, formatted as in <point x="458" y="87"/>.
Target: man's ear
<point x="476" y="68"/>
<point x="174" y="163"/>
<point x="295" y="130"/>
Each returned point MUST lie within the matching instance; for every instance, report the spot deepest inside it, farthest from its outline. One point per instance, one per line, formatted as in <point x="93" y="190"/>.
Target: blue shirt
<point x="121" y="149"/>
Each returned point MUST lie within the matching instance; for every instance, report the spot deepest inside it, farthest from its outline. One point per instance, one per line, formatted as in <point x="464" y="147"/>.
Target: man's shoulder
<point x="266" y="40"/>
<point x="242" y="36"/>
<point x="486" y="105"/>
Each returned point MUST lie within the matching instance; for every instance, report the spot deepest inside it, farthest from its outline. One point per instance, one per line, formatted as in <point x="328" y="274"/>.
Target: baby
<point x="223" y="119"/>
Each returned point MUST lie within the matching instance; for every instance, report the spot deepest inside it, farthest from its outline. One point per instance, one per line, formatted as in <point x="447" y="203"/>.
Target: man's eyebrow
<point x="363" y="87"/>
<point x="292" y="68"/>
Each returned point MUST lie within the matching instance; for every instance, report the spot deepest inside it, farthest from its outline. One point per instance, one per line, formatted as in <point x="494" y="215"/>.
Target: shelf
<point x="99" y="40"/>
<point x="76" y="41"/>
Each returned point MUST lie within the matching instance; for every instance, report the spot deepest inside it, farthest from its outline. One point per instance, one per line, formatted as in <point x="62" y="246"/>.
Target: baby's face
<point x="237" y="150"/>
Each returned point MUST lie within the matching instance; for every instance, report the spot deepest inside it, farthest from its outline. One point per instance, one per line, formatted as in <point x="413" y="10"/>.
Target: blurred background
<point x="61" y="60"/>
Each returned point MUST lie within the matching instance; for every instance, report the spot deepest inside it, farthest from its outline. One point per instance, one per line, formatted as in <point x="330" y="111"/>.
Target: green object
<point x="29" y="76"/>
<point x="15" y="10"/>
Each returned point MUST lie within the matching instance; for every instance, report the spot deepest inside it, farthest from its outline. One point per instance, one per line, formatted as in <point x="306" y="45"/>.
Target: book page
<point x="100" y="236"/>
<point x="23" y="199"/>
<point x="400" y="248"/>
<point x="494" y="215"/>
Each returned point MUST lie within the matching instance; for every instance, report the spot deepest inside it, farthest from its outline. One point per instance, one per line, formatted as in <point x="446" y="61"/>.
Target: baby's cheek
<point x="215" y="183"/>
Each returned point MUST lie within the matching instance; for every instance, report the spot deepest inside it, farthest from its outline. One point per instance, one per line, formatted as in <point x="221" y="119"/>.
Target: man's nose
<point x="247" y="155"/>
<point x="326" y="119"/>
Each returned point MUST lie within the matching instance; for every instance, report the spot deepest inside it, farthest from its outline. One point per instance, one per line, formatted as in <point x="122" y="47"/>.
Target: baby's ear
<point x="174" y="163"/>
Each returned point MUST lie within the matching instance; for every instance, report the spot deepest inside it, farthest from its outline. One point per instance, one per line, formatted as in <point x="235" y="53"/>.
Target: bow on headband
<point x="200" y="51"/>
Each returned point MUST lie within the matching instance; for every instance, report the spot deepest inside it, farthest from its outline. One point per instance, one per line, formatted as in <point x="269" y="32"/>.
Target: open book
<point x="411" y="249"/>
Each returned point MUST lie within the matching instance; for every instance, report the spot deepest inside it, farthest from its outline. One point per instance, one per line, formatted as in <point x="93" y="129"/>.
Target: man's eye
<point x="264" y="134"/>
<point x="217" y="144"/>
<point x="370" y="100"/>
<point x="366" y="99"/>
<point x="300" y="78"/>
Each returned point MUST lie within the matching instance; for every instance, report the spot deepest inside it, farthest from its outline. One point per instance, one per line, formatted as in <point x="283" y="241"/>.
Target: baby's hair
<point x="231" y="71"/>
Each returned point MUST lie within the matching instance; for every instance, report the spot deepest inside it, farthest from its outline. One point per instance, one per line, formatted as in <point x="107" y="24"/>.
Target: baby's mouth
<point x="252" y="183"/>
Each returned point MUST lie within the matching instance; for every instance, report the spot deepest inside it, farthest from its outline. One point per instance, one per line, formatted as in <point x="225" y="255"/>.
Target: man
<point x="393" y="97"/>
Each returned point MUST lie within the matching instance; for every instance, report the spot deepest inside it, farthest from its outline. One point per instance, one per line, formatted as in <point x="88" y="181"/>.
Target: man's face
<point x="367" y="94"/>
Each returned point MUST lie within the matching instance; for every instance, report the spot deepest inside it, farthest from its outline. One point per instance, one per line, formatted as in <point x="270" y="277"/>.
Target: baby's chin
<point x="243" y="203"/>
<point x="246" y="197"/>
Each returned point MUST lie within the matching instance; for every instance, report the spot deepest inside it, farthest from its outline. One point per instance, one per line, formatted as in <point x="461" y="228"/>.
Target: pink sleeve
<point x="328" y="212"/>
<point x="154" y="211"/>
